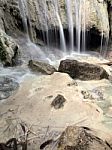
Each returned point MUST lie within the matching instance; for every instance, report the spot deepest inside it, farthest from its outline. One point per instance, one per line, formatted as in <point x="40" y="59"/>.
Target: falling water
<point x="104" y="42"/>
<point x="70" y="23"/>
<point x="62" y="38"/>
<point x="25" y="17"/>
<point x="78" y="24"/>
<point x="84" y="28"/>
<point x="46" y="24"/>
<point x="101" y="47"/>
<point x="23" y="10"/>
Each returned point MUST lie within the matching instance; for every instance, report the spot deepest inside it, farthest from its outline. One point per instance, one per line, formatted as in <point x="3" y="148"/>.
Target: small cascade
<point x="104" y="41"/>
<point x="70" y="29"/>
<point x="78" y="24"/>
<point x="24" y="14"/>
<point x="62" y="37"/>
<point x="101" y="47"/>
<point x="46" y="24"/>
<point x="70" y="23"/>
<point x="84" y="27"/>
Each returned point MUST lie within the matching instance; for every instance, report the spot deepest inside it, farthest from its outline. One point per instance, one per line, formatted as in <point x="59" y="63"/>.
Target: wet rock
<point x="58" y="102"/>
<point x="42" y="67"/>
<point x="80" y="138"/>
<point x="7" y="86"/>
<point x="9" y="50"/>
<point x="82" y="70"/>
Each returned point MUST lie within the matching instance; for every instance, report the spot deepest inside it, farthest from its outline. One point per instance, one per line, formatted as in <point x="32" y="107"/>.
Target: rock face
<point x="44" y="68"/>
<point x="82" y="71"/>
<point x="79" y="138"/>
<point x="7" y="86"/>
<point x="10" y="17"/>
<point x="41" y="15"/>
<point x="58" y="102"/>
<point x="9" y="51"/>
<point x="93" y="14"/>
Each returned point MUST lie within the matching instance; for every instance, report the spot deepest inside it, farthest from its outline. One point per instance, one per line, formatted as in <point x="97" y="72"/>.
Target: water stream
<point x="70" y="23"/>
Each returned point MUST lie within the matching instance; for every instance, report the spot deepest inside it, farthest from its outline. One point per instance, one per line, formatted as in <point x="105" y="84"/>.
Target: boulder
<point x="58" y="102"/>
<point x="82" y="70"/>
<point x="80" y="138"/>
<point x="42" y="67"/>
<point x="9" y="50"/>
<point x="7" y="86"/>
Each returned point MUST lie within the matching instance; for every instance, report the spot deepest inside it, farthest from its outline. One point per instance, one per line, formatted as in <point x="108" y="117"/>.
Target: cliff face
<point x="10" y="18"/>
<point x="42" y="15"/>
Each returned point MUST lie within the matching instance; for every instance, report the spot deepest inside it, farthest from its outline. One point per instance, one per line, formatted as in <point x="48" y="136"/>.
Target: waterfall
<point x="44" y="13"/>
<point x="104" y="42"/>
<point x="23" y="11"/>
<point x="78" y="24"/>
<point x="84" y="28"/>
<point x="62" y="38"/>
<point x="46" y="22"/>
<point x="70" y="23"/>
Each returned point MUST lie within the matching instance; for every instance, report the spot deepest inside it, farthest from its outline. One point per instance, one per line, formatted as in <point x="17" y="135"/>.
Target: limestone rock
<point x="80" y="138"/>
<point x="40" y="15"/>
<point x="58" y="102"/>
<point x="42" y="67"/>
<point x="9" y="50"/>
<point x="10" y="16"/>
<point x="82" y="70"/>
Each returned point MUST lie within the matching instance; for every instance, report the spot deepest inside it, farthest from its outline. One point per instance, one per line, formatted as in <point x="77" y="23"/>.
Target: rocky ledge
<point x="9" y="50"/>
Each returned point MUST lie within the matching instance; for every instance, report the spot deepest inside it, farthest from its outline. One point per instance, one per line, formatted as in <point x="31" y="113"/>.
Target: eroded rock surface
<point x="9" y="50"/>
<point x="80" y="138"/>
<point x="40" y="15"/>
<point x="82" y="70"/>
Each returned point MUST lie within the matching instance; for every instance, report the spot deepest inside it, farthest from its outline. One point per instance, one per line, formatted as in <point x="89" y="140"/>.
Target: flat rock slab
<point x="82" y="70"/>
<point x="42" y="67"/>
<point x="7" y="86"/>
<point x="80" y="138"/>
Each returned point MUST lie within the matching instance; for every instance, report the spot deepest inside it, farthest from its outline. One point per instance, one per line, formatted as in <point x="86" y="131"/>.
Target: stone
<point x="82" y="70"/>
<point x="9" y="50"/>
<point x="58" y="102"/>
<point x="7" y="86"/>
<point x="80" y="138"/>
<point x="42" y="67"/>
